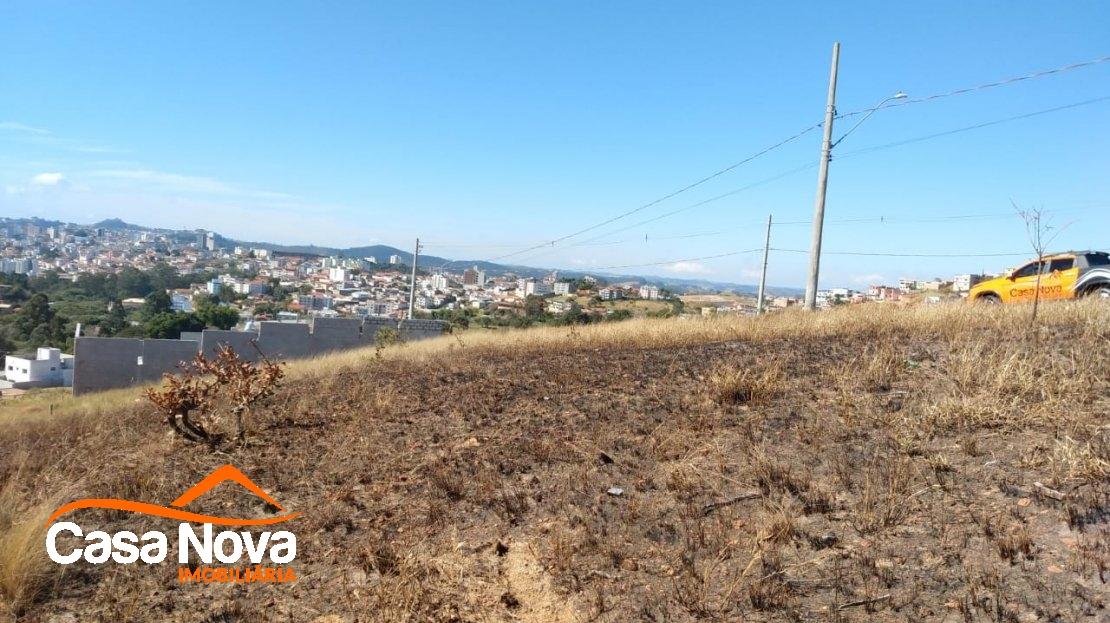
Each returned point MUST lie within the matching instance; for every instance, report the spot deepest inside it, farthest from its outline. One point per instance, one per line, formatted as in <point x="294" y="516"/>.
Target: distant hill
<point x="382" y="252"/>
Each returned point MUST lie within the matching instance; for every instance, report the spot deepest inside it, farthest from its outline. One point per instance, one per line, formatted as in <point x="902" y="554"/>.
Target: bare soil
<point x="865" y="477"/>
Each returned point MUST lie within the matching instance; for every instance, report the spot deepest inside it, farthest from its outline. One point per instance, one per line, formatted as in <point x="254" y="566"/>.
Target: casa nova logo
<point x="239" y="556"/>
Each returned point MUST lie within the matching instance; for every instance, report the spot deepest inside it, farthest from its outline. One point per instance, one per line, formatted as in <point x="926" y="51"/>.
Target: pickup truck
<point x="1061" y="276"/>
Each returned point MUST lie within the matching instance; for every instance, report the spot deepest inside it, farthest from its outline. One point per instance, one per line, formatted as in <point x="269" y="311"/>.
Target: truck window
<point x="1028" y="270"/>
<point x="1062" y="263"/>
<point x="1098" y="259"/>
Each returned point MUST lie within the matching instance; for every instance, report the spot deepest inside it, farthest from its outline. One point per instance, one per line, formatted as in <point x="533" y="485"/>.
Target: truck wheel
<point x="1100" y="292"/>
<point x="989" y="299"/>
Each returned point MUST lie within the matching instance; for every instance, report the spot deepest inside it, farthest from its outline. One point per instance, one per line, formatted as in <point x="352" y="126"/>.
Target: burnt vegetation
<point x="859" y="465"/>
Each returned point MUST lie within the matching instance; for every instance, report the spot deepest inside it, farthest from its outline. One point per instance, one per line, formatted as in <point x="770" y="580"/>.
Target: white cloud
<point x="15" y="126"/>
<point x="47" y="179"/>
<point x="688" y="268"/>
<point x="178" y="183"/>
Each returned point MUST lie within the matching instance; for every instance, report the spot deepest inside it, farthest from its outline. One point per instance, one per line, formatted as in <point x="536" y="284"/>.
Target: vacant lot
<point x="869" y="464"/>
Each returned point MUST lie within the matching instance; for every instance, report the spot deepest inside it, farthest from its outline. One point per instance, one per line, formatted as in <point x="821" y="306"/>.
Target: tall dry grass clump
<point x="25" y="570"/>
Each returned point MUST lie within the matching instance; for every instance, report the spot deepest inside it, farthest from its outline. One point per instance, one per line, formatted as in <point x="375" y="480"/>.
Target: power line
<point x="884" y="254"/>
<point x="667" y="196"/>
<point x="977" y="126"/>
<point x="980" y="87"/>
<point x="811" y="165"/>
<point x="879" y="219"/>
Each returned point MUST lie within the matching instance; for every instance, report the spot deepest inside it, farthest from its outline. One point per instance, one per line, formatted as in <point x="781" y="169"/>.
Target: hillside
<point x="864" y="464"/>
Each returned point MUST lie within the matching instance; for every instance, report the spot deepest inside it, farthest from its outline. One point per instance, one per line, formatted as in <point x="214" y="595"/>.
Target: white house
<point x="49" y="368"/>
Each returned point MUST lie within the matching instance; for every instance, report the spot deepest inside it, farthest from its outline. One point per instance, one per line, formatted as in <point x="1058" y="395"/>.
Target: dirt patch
<point x="886" y="475"/>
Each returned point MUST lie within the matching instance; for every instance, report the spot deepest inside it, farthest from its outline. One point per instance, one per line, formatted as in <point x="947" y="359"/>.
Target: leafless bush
<point x="207" y="383"/>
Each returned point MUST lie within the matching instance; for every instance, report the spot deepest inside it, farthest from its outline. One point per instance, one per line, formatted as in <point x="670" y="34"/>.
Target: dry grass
<point x="25" y="569"/>
<point x="865" y="463"/>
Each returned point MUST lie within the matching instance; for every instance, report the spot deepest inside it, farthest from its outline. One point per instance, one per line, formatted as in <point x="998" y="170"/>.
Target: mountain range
<point x="430" y="262"/>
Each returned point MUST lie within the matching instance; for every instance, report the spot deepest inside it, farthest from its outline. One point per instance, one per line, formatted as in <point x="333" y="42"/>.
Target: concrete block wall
<point x="335" y="334"/>
<point x="284" y="340"/>
<point x="371" y="326"/>
<point x="107" y="363"/>
<point x="162" y="356"/>
<point x="418" y="329"/>
<point x="239" y="341"/>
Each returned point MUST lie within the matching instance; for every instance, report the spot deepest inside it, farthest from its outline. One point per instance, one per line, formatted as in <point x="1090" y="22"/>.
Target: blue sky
<point x="490" y="125"/>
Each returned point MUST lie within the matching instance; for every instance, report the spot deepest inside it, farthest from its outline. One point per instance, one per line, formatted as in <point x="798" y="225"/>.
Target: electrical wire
<point x="969" y="128"/>
<point x="979" y="87"/>
<point x="665" y="197"/>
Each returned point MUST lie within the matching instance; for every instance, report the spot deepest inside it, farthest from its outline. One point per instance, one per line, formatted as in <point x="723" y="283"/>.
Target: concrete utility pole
<point x="412" y="284"/>
<point x="763" y="273"/>
<point x="822" y="184"/>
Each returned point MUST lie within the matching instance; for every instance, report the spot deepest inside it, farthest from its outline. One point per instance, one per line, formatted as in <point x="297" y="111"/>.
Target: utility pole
<point x="412" y="284"/>
<point x="822" y="184"/>
<point x="763" y="273"/>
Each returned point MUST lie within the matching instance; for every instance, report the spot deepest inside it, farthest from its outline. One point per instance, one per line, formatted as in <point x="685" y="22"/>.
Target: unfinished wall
<point x="101" y="363"/>
<point x="105" y="363"/>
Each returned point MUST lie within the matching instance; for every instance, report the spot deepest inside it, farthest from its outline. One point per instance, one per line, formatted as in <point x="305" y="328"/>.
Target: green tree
<point x="157" y="302"/>
<point x="115" y="320"/>
<point x="218" y="316"/>
<point x="132" y="283"/>
<point x="169" y="325"/>
<point x="36" y="311"/>
<point x="534" y="306"/>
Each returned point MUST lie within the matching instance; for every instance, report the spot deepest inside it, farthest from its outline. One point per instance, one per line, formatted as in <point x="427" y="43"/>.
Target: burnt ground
<point x="855" y="478"/>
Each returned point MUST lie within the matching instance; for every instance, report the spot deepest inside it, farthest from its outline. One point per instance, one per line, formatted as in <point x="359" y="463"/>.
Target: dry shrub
<point x="746" y="385"/>
<point x="884" y="498"/>
<point x="775" y="478"/>
<point x="1080" y="463"/>
<point x="770" y="591"/>
<point x="449" y="478"/>
<point x="188" y="402"/>
<point x="1015" y="543"/>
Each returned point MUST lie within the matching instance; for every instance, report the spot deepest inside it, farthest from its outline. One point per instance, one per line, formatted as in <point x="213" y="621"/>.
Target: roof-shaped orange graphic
<point x="176" y="511"/>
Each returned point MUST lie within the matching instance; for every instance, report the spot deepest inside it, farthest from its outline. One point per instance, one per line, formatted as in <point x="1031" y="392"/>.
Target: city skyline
<point x="499" y="129"/>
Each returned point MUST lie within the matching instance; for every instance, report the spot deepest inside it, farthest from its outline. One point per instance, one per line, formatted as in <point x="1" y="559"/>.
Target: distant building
<point x="213" y="287"/>
<point x="181" y="301"/>
<point x="49" y="368"/>
<point x="314" y="302"/>
<point x="907" y="285"/>
<point x="251" y="287"/>
<point x="210" y="241"/>
<point x="439" y="282"/>
<point x="559" y="307"/>
<point x="394" y="259"/>
<point x="474" y="277"/>
<point x="649" y="292"/>
<point x="610" y="294"/>
<point x="337" y="275"/>
<point x="530" y="287"/>
<point x="564" y="288"/>
<point x="963" y="283"/>
<point x="19" y="265"/>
